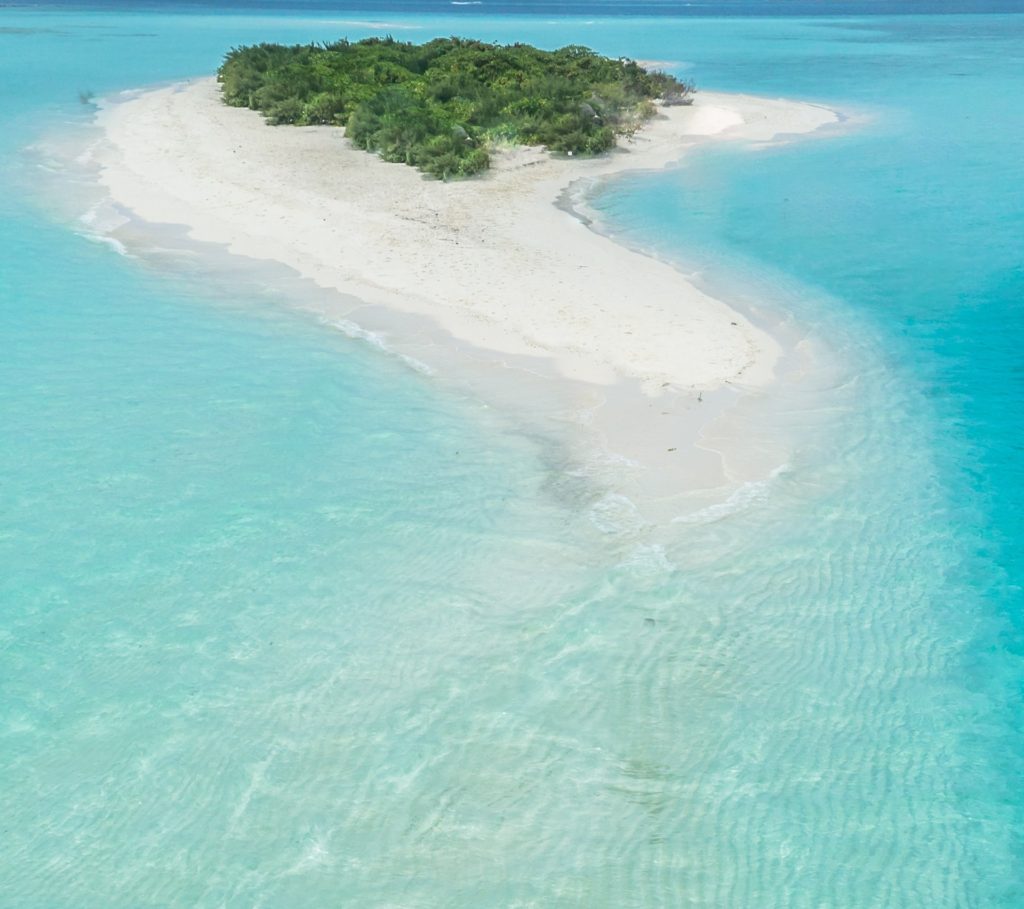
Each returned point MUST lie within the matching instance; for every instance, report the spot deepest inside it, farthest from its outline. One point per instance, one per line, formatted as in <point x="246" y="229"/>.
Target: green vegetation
<point x="439" y="106"/>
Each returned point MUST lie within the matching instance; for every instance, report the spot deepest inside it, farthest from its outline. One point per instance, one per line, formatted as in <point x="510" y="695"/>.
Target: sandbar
<point x="493" y="260"/>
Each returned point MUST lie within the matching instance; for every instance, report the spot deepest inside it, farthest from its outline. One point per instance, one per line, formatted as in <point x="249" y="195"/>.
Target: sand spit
<point x="491" y="259"/>
<point x="564" y="327"/>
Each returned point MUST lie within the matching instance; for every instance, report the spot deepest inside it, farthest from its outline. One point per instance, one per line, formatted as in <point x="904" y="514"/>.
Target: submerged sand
<point x="493" y="260"/>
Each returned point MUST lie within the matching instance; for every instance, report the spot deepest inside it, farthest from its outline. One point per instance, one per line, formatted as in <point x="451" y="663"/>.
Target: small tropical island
<point x="493" y="278"/>
<point x="442" y="106"/>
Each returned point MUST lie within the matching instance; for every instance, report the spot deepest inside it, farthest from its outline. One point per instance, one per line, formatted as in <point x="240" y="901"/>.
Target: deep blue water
<point x="285" y="623"/>
<point x="587" y="8"/>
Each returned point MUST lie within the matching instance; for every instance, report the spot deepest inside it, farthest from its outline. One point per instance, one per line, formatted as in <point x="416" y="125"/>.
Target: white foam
<point x="366" y="23"/>
<point x="99" y="221"/>
<point x="615" y="513"/>
<point x="357" y="332"/>
<point x="742" y="498"/>
<point x="88" y="154"/>
<point x="103" y="216"/>
<point x="49" y="168"/>
<point x="46" y="157"/>
<point x="89" y="217"/>
<point x="113" y="243"/>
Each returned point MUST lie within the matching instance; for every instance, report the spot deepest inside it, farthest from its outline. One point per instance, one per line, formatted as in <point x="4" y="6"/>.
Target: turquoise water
<point x="286" y="623"/>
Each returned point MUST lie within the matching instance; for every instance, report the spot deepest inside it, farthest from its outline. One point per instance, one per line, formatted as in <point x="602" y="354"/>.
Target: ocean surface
<point x="287" y="623"/>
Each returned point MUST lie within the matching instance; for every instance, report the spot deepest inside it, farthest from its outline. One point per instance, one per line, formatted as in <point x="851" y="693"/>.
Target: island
<point x="506" y="272"/>
<point x="441" y="106"/>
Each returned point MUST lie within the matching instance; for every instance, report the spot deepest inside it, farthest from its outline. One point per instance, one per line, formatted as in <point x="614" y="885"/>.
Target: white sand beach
<point x="493" y="260"/>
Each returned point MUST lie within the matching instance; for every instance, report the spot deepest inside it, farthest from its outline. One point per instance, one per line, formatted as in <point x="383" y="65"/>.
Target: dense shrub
<point x="438" y="106"/>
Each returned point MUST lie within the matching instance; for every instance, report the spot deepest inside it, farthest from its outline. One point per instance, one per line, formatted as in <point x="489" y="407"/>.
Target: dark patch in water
<point x="13" y="30"/>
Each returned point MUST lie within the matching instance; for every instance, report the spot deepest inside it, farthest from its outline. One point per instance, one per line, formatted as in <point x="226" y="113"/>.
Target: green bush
<point x="437" y="106"/>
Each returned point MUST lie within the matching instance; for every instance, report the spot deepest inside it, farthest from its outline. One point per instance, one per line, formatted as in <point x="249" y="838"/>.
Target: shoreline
<point x="623" y="347"/>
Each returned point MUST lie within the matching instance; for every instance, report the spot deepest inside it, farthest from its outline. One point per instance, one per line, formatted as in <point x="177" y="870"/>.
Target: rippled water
<point x="286" y="622"/>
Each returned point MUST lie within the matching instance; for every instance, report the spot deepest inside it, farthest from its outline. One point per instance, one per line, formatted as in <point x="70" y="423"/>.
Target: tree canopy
<point x="440" y="106"/>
